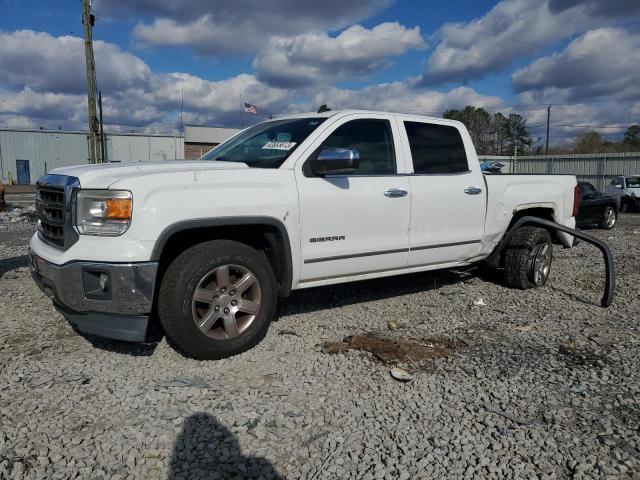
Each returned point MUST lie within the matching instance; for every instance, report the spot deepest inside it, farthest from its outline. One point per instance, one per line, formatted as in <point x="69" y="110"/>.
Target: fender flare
<point x="609" y="289"/>
<point x="167" y="233"/>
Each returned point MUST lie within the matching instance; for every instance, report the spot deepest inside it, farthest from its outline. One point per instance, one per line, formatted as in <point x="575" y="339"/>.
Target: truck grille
<point x="50" y="205"/>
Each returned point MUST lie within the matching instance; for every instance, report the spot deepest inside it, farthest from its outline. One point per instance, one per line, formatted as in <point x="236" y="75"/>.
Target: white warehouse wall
<point x="49" y="149"/>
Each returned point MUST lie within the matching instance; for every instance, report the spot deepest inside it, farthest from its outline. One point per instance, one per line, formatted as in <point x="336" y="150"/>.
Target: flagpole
<point x="241" y="112"/>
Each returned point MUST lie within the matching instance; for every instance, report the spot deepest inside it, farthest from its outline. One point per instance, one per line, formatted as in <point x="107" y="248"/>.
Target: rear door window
<point x="436" y="149"/>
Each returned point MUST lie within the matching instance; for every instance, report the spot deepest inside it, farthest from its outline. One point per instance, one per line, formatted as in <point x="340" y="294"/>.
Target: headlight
<point x="103" y="212"/>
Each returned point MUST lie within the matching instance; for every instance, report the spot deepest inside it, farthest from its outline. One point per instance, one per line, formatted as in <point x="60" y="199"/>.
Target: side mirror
<point x="332" y="161"/>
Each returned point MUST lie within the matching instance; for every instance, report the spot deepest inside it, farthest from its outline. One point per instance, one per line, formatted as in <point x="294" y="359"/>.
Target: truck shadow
<point x="12" y="263"/>
<point x="205" y="448"/>
<point x="321" y="298"/>
<point x="117" y="346"/>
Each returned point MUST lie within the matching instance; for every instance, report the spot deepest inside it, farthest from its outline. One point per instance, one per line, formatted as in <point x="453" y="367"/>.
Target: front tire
<point x="609" y="218"/>
<point x="217" y="299"/>
<point x="528" y="258"/>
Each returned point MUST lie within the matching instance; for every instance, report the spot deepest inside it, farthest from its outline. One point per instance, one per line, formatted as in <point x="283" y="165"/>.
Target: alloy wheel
<point x="226" y="301"/>
<point x="609" y="217"/>
<point x="541" y="264"/>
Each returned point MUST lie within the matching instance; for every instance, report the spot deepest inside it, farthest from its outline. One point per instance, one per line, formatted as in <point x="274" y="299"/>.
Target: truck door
<point x="448" y="200"/>
<point x="355" y="223"/>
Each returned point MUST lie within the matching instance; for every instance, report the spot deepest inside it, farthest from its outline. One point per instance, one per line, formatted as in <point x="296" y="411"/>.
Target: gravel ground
<point x="540" y="384"/>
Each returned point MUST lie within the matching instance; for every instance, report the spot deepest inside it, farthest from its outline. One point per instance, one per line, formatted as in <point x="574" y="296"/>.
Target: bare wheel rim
<point x="226" y="301"/>
<point x="541" y="264"/>
<point x="609" y="217"/>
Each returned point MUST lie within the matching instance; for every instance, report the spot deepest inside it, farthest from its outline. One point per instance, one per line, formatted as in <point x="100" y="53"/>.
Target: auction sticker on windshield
<point x="278" y="145"/>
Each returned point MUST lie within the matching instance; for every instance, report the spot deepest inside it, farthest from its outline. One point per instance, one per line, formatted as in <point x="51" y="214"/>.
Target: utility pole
<point x="103" y="140"/>
<point x="546" y="148"/>
<point x="181" y="111"/>
<point x="241" y="112"/>
<point x="88" y="20"/>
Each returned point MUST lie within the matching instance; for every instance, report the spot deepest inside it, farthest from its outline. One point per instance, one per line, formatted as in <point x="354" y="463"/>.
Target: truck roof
<point x="332" y="113"/>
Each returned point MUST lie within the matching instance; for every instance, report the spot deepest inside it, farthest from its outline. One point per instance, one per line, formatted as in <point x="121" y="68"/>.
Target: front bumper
<point x="119" y="308"/>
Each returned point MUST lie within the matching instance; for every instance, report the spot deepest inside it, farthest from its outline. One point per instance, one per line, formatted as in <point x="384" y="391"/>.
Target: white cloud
<point x="601" y="63"/>
<point x="43" y="80"/>
<point x="223" y="28"/>
<point x="29" y="108"/>
<point x="599" y="8"/>
<point x="593" y="82"/>
<point x="57" y="64"/>
<point x="403" y="96"/>
<point x="51" y="91"/>
<point x="314" y="58"/>
<point x="512" y="29"/>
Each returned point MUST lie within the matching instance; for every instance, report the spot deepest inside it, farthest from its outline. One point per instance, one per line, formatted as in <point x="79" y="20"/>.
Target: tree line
<point x="494" y="134"/>
<point x="594" y="142"/>
<point x="498" y="134"/>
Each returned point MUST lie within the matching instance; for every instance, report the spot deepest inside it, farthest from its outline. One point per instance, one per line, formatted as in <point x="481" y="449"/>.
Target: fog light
<point x="104" y="282"/>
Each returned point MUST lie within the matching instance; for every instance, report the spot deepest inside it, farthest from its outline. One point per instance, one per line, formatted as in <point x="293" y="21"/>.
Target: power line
<point x="581" y="126"/>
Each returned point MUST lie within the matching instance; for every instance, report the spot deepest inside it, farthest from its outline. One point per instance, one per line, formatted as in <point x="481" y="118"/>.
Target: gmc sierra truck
<point x="206" y="247"/>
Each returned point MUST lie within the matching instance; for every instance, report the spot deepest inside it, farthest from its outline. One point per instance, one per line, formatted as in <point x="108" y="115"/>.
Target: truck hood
<point x="106" y="174"/>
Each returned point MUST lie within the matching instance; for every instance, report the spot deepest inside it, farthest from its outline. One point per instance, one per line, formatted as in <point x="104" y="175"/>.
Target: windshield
<point x="266" y="145"/>
<point x="633" y="182"/>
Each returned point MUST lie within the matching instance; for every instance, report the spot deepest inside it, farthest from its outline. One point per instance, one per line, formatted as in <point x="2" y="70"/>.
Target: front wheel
<point x="217" y="299"/>
<point x="609" y="218"/>
<point x="528" y="258"/>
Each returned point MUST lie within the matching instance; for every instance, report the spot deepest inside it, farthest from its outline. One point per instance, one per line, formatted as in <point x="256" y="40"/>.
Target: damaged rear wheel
<point x="528" y="258"/>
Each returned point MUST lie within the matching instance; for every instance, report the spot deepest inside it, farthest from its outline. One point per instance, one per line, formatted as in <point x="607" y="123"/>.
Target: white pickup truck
<point x="206" y="247"/>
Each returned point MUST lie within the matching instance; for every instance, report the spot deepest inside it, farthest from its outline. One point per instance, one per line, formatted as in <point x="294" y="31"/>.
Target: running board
<point x="610" y="283"/>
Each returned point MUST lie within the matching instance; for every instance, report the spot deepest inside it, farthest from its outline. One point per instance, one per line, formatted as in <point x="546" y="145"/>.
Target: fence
<point x="596" y="168"/>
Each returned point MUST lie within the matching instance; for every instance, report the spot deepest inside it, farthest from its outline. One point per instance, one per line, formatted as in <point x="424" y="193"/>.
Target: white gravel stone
<point x="563" y="393"/>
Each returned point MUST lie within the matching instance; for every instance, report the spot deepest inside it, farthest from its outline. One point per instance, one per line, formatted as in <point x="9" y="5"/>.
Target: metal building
<point x="26" y="155"/>
<point x="198" y="140"/>
<point x="596" y="168"/>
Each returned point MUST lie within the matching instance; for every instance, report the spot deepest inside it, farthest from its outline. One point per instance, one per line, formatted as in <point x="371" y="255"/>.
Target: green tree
<point x="500" y="134"/>
<point x="632" y="136"/>
<point x="591" y="142"/>
<point x="478" y="122"/>
<point x="517" y="134"/>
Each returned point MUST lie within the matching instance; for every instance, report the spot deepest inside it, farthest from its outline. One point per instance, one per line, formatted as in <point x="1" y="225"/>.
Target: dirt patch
<point x="393" y="350"/>
<point x="575" y="356"/>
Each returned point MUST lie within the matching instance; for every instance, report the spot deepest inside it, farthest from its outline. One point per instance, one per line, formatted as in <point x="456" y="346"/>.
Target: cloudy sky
<point x="581" y="56"/>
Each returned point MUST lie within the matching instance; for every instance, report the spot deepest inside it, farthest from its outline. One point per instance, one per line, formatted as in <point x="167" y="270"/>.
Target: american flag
<point x="250" y="108"/>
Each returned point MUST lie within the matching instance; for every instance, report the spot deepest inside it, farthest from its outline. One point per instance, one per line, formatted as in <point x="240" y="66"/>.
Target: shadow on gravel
<point x="8" y="264"/>
<point x="574" y="297"/>
<point x="117" y="346"/>
<point x="321" y="298"/>
<point x="207" y="449"/>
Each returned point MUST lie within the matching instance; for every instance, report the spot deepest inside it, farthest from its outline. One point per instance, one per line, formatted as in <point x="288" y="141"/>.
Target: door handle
<point x="395" y="193"/>
<point x="473" y="190"/>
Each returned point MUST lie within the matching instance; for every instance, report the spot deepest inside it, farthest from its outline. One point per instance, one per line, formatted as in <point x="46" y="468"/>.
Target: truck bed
<point x="507" y="194"/>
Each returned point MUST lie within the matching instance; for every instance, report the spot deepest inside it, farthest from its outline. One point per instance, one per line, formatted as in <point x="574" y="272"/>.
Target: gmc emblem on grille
<point x="326" y="239"/>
